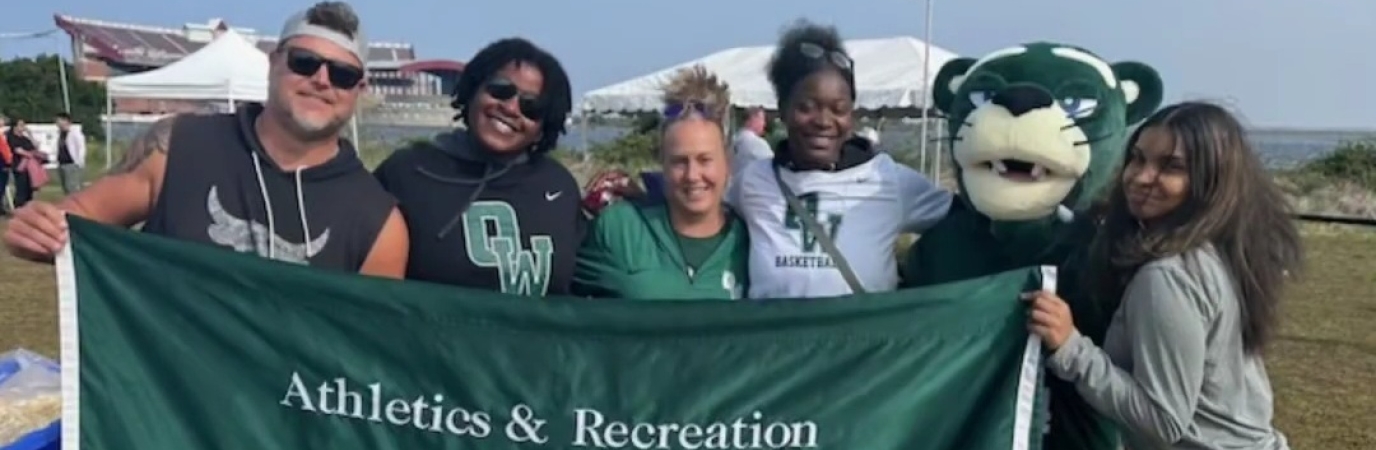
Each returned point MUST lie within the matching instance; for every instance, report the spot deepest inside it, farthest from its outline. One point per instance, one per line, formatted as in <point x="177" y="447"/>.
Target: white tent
<point x="229" y="68"/>
<point x="888" y="74"/>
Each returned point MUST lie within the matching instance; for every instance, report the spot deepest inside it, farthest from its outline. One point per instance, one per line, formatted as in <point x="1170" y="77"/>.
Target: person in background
<point x="487" y="207"/>
<point x="71" y="154"/>
<point x="6" y="163"/>
<point x="275" y="179"/>
<point x="824" y="185"/>
<point x="691" y="246"/>
<point x="1198" y="244"/>
<point x="749" y="144"/>
<point x="22" y="146"/>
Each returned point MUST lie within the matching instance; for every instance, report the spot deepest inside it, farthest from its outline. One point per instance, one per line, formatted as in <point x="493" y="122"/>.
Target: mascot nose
<point x="1021" y="99"/>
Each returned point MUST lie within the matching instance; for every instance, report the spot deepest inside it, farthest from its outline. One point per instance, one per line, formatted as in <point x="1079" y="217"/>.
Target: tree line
<point x="31" y="89"/>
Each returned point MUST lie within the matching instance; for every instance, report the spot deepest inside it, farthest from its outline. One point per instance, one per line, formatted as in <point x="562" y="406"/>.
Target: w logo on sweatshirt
<point x="493" y="239"/>
<point x="806" y="239"/>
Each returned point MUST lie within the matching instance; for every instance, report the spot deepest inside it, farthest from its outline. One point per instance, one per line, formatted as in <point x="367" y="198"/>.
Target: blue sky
<point x="1291" y="63"/>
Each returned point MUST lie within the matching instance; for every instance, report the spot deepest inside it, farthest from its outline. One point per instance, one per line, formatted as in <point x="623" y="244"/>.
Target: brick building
<point x="398" y="79"/>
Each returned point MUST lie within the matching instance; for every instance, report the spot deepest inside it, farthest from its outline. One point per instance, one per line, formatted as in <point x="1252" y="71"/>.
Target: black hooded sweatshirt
<point x="221" y="188"/>
<point x="854" y="151"/>
<point x="511" y="225"/>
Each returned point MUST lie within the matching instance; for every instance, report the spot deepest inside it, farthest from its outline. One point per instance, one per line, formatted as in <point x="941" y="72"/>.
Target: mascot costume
<point x="1037" y="135"/>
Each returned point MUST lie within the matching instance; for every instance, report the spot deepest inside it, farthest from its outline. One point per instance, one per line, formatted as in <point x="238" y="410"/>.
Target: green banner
<point x="177" y="346"/>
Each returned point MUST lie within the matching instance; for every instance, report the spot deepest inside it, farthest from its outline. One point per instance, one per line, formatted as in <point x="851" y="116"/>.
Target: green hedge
<point x="1351" y="162"/>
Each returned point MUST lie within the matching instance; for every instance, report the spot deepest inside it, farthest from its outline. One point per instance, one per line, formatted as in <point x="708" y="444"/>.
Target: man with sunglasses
<point x="275" y="178"/>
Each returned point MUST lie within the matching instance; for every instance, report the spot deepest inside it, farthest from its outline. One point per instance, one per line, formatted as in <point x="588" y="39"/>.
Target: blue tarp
<point x="15" y="363"/>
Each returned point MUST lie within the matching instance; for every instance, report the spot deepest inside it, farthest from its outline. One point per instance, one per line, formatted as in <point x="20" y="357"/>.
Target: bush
<point x="1352" y="162"/>
<point x="646" y="124"/>
<point x="632" y="152"/>
<point x="1341" y="183"/>
<point x="31" y="89"/>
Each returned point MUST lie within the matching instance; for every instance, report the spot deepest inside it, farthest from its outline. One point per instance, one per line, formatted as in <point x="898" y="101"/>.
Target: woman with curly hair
<point x="823" y="212"/>
<point x="486" y="206"/>
<point x="689" y="246"/>
<point x="1195" y="248"/>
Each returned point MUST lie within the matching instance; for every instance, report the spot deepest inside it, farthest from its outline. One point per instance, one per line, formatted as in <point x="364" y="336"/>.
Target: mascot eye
<point x="979" y="98"/>
<point x="1077" y="108"/>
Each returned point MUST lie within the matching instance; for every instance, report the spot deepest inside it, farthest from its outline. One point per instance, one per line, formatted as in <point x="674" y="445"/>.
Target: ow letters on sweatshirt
<point x="863" y="208"/>
<point x="510" y="226"/>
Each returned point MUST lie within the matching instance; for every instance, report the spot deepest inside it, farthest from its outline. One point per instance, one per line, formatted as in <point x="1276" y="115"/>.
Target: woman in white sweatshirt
<point x="1195" y="246"/>
<point x="826" y="183"/>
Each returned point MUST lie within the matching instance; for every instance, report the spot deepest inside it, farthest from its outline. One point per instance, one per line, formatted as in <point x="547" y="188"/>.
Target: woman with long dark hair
<point x="1196" y="245"/>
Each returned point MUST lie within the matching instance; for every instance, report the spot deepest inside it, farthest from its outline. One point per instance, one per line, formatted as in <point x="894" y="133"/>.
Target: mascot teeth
<point x="1012" y="168"/>
<point x="999" y="167"/>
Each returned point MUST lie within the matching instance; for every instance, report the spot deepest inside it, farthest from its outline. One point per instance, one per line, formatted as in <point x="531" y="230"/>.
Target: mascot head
<point x="1038" y="130"/>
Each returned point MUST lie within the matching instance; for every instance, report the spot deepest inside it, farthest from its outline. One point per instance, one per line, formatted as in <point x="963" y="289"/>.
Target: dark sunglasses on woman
<point x="307" y="63"/>
<point x="503" y="89"/>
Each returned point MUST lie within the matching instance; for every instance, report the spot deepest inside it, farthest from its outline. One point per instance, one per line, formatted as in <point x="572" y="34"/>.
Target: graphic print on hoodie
<point x="510" y="226"/>
<point x="221" y="188"/>
<point x="862" y="205"/>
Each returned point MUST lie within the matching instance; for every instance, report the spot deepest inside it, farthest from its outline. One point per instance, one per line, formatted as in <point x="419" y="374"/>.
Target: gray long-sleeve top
<point x="1173" y="371"/>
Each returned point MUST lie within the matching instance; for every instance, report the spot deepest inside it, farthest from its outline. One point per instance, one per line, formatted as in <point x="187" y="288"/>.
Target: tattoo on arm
<point x="154" y="140"/>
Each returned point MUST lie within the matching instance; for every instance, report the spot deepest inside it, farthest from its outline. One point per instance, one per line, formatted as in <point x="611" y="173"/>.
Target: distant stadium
<point x="404" y="89"/>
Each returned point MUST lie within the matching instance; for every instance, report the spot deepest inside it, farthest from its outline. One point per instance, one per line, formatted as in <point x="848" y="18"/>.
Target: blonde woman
<point x="689" y="246"/>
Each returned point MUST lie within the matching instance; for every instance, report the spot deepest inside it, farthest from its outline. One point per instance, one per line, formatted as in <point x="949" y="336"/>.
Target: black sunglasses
<point x="838" y="59"/>
<point x="307" y="63"/>
<point x="677" y="110"/>
<point x="502" y="89"/>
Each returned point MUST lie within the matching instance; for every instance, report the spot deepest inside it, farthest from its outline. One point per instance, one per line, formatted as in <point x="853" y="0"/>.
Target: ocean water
<point x="1279" y="148"/>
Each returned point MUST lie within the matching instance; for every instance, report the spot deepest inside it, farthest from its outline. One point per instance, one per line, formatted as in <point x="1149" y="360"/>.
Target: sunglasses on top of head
<point x="503" y="89"/>
<point x="838" y="59"/>
<point x="675" y="110"/>
<point x="307" y="63"/>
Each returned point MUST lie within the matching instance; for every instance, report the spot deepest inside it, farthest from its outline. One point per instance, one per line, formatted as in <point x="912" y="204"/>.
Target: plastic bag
<point x="30" y="400"/>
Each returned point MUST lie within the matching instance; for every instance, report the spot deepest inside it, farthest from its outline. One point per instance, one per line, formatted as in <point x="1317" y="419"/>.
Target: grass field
<point x="1323" y="366"/>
